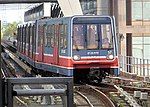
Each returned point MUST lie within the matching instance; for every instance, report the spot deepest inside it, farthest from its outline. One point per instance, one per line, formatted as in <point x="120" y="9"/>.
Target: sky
<point x="10" y="16"/>
<point x="13" y="12"/>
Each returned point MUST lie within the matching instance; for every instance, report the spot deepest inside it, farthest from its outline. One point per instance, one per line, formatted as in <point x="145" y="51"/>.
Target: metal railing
<point x="66" y="93"/>
<point x="138" y="66"/>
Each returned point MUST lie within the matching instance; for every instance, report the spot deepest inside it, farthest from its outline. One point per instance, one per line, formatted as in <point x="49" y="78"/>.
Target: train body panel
<point x="69" y="45"/>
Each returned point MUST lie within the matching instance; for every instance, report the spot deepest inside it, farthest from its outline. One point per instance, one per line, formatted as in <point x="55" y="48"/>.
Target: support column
<point x="122" y="23"/>
<point x="70" y="7"/>
<point x="115" y="10"/>
<point x="111" y="4"/>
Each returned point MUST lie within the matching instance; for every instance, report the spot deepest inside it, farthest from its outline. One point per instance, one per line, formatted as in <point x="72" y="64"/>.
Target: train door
<point x="41" y="42"/>
<point x="56" y="44"/>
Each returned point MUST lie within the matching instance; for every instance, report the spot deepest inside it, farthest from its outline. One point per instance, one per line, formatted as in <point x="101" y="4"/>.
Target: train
<point x="85" y="47"/>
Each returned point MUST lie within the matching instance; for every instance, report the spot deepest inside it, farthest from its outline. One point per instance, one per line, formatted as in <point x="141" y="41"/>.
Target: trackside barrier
<point x="67" y="91"/>
<point x="138" y="66"/>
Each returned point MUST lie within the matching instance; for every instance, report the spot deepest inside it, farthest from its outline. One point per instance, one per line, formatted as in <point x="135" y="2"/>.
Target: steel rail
<point x="102" y="96"/>
<point x="3" y="74"/>
<point x="85" y="98"/>
<point x="21" y="101"/>
<point x="19" y="62"/>
<point x="17" y="98"/>
<point x="97" y="93"/>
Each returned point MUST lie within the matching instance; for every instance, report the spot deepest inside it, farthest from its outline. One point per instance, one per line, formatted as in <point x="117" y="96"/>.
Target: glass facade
<point x="141" y="46"/>
<point x="140" y="12"/>
<point x="90" y="7"/>
<point x="141" y="16"/>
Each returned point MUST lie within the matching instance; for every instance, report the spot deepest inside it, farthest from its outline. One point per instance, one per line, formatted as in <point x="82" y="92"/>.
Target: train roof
<point x="30" y="23"/>
<point x="58" y="20"/>
<point x="69" y="18"/>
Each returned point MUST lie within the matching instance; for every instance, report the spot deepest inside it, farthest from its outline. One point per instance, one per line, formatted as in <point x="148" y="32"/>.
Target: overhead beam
<point x="70" y="7"/>
<point x="25" y="1"/>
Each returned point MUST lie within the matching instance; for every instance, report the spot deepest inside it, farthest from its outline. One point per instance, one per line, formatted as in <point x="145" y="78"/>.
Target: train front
<point x="94" y="48"/>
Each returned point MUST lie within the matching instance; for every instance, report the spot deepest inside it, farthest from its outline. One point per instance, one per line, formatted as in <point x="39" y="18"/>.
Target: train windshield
<point x="92" y="36"/>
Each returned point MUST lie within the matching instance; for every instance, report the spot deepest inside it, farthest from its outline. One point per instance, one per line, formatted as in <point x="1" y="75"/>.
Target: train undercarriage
<point x="91" y="75"/>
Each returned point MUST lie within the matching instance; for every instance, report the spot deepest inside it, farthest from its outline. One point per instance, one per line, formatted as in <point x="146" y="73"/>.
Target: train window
<point x="78" y="37"/>
<point x="56" y="35"/>
<point x="92" y="37"/>
<point x="52" y="33"/>
<point x="52" y="41"/>
<point x="31" y="35"/>
<point x="40" y="35"/>
<point x="24" y="40"/>
<point x="27" y="35"/>
<point x="47" y="37"/>
<point x="39" y="30"/>
<point x="63" y="35"/>
<point x="23" y="34"/>
<point x="106" y="36"/>
<point x="48" y="40"/>
<point x="21" y="39"/>
<point x="27" y="39"/>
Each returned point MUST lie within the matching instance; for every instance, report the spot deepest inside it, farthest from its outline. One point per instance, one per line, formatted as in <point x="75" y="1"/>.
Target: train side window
<point x="106" y="36"/>
<point x="52" y="33"/>
<point x="40" y="35"/>
<point x="63" y="36"/>
<point x="18" y="38"/>
<point x="56" y="33"/>
<point x="27" y="39"/>
<point x="21" y="39"/>
<point x="24" y="44"/>
<point x="31" y="35"/>
<point x="47" y="38"/>
<point x="39" y="32"/>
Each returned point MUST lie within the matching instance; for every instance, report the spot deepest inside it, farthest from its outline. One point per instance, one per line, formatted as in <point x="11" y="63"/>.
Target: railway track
<point x="16" y="68"/>
<point x="10" y="68"/>
<point x="105" y="95"/>
<point x="89" y="96"/>
<point x="9" y="71"/>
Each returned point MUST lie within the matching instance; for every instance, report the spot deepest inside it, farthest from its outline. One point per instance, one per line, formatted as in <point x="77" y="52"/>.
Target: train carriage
<point x="81" y="46"/>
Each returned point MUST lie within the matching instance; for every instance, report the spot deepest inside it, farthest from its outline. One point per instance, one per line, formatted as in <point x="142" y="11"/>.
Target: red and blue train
<point x="81" y="46"/>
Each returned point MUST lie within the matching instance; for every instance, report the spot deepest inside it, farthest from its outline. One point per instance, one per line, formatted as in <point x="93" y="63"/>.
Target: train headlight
<point x="110" y="55"/>
<point x="76" y="57"/>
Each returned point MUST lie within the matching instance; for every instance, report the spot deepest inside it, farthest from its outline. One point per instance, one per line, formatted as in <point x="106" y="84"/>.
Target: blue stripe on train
<point x="54" y="69"/>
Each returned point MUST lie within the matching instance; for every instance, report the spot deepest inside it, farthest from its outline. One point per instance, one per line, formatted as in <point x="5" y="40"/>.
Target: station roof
<point x="25" y="1"/>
